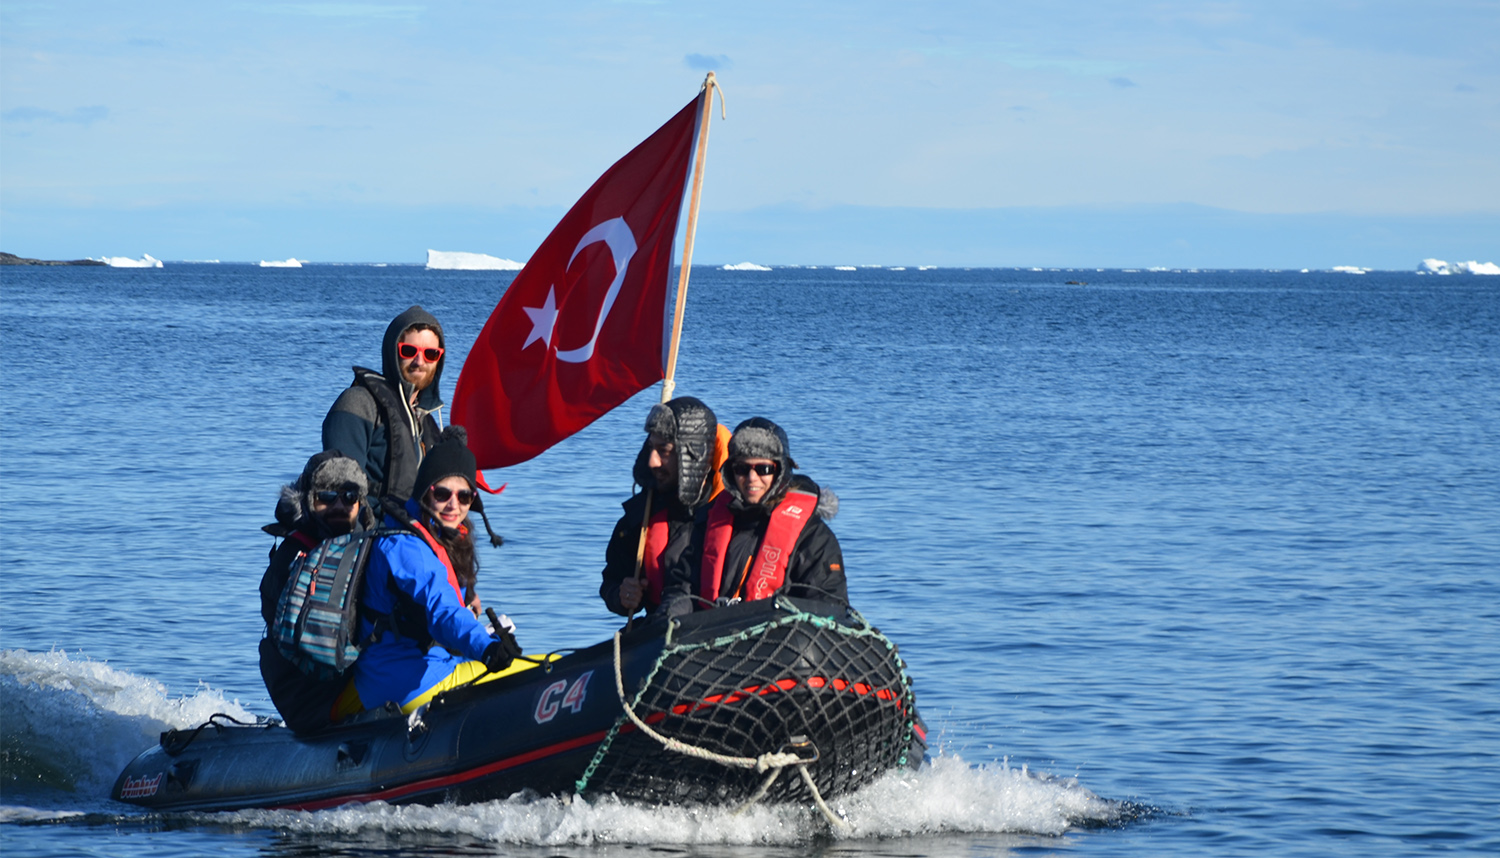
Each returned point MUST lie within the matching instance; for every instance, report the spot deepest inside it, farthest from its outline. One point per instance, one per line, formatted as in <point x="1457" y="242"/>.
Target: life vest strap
<point x="658" y="531"/>
<point x="767" y="571"/>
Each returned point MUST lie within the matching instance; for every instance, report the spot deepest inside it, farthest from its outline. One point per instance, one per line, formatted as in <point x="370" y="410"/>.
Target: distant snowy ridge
<point x="146" y="261"/>
<point x="1438" y="266"/>
<point x="290" y="263"/>
<point x="746" y="266"/>
<point x="457" y="260"/>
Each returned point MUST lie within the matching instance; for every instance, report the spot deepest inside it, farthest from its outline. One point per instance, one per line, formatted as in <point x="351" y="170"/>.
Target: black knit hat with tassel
<point x="451" y="457"/>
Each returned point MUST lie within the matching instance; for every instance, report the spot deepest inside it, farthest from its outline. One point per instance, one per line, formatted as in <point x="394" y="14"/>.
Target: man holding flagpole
<point x="678" y="472"/>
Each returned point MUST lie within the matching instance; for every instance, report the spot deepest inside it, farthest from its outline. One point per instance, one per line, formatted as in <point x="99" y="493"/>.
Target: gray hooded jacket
<point x="373" y="423"/>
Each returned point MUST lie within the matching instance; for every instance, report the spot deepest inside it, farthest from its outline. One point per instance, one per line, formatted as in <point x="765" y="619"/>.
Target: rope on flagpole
<point x="706" y="97"/>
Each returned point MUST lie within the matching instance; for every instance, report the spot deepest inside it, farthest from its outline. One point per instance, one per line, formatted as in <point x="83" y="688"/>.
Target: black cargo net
<point x="802" y="683"/>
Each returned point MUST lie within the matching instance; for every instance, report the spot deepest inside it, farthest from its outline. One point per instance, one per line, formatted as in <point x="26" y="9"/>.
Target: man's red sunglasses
<point x="407" y="351"/>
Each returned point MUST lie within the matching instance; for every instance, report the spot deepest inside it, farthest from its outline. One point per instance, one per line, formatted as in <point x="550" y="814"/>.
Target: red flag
<point x="583" y="326"/>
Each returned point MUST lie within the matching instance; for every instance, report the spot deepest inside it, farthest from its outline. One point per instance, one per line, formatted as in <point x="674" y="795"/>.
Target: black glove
<point x="499" y="655"/>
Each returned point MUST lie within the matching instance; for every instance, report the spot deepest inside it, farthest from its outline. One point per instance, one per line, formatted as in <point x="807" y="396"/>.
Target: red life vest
<point x="656" y="545"/>
<point x="442" y="555"/>
<point x="768" y="569"/>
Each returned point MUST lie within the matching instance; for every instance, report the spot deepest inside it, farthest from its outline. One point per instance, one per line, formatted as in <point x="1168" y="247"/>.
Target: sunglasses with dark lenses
<point x="407" y="351"/>
<point x="765" y="469"/>
<point x="350" y="497"/>
<point x="442" y="493"/>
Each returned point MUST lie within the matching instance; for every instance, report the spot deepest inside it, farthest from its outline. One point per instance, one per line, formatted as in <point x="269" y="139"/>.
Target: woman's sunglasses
<point x="442" y="493"/>
<point x="350" y="497"/>
<point x="407" y="351"/>
<point x="765" y="469"/>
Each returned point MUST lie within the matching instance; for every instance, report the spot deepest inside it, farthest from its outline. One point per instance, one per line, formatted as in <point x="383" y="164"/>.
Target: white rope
<point x="770" y="761"/>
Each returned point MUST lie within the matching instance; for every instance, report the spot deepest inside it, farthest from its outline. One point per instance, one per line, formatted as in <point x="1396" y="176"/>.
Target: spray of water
<point x="71" y="724"/>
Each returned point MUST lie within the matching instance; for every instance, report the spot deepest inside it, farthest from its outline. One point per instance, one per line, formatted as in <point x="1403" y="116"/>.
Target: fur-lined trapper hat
<point x="692" y="428"/>
<point x="329" y="470"/>
<point x="451" y="457"/>
<point x="759" y="438"/>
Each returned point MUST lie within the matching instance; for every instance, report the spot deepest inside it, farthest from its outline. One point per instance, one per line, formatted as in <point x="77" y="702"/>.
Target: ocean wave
<point x="72" y="724"/>
<point x="845" y="268"/>
<point x="146" y="261"/>
<point x="746" y="266"/>
<point x="457" y="260"/>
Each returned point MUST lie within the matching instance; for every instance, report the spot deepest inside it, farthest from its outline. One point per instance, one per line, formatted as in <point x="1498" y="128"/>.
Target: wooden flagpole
<point x="669" y="382"/>
<point x="710" y="83"/>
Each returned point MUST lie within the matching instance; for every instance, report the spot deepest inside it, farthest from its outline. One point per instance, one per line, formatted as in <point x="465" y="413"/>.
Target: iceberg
<point x="844" y="268"/>
<point x="146" y="261"/>
<point x="457" y="260"/>
<point x="294" y="262"/>
<point x="746" y="266"/>
<point x="1439" y="266"/>
<point x="1350" y="269"/>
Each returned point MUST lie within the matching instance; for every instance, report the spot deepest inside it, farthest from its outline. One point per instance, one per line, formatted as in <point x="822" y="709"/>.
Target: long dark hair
<point x="465" y="560"/>
<point x="460" y="547"/>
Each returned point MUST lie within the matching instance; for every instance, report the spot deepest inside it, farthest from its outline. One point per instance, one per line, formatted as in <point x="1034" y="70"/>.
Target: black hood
<point x="693" y="429"/>
<point x="390" y="364"/>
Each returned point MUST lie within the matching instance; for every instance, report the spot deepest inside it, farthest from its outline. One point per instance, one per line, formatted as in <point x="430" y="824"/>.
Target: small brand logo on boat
<point x="140" y="787"/>
<point x="572" y="697"/>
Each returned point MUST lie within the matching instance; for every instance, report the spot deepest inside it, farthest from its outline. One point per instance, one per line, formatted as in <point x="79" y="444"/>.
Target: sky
<point x="1279" y="133"/>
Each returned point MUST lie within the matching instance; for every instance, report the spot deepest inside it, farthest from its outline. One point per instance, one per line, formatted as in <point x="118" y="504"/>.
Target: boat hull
<point x="561" y="729"/>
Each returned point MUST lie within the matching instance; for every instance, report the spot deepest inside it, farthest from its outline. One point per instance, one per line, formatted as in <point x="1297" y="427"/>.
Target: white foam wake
<point x="457" y="260"/>
<point x="746" y="266"/>
<point x="946" y="797"/>
<point x="1439" y="266"/>
<point x="73" y="724"/>
<point x="146" y="261"/>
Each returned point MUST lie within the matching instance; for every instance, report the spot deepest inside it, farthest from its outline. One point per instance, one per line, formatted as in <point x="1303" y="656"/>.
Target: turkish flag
<point x="583" y="326"/>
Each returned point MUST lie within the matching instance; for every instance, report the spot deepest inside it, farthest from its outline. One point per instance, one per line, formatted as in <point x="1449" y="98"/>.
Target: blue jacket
<point x="394" y="668"/>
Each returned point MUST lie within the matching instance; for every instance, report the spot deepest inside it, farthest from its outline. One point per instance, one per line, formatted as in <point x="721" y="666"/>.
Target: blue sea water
<point x="1183" y="563"/>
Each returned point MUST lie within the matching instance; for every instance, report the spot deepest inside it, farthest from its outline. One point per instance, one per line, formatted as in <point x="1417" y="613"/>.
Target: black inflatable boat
<point x="774" y="677"/>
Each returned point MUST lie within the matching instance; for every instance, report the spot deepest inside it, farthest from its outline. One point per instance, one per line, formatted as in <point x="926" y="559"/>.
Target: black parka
<point x="816" y="569"/>
<point x="693" y="429"/>
<point x="625" y="541"/>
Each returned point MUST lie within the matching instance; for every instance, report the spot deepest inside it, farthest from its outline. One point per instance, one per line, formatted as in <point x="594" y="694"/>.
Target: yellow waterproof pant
<point x="349" y="703"/>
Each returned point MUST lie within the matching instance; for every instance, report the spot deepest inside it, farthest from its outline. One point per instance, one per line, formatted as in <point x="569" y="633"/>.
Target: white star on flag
<point x="543" y="319"/>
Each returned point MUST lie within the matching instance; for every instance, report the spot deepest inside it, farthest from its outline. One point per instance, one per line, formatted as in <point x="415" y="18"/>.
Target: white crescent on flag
<point x="615" y="233"/>
<point x="516" y="399"/>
